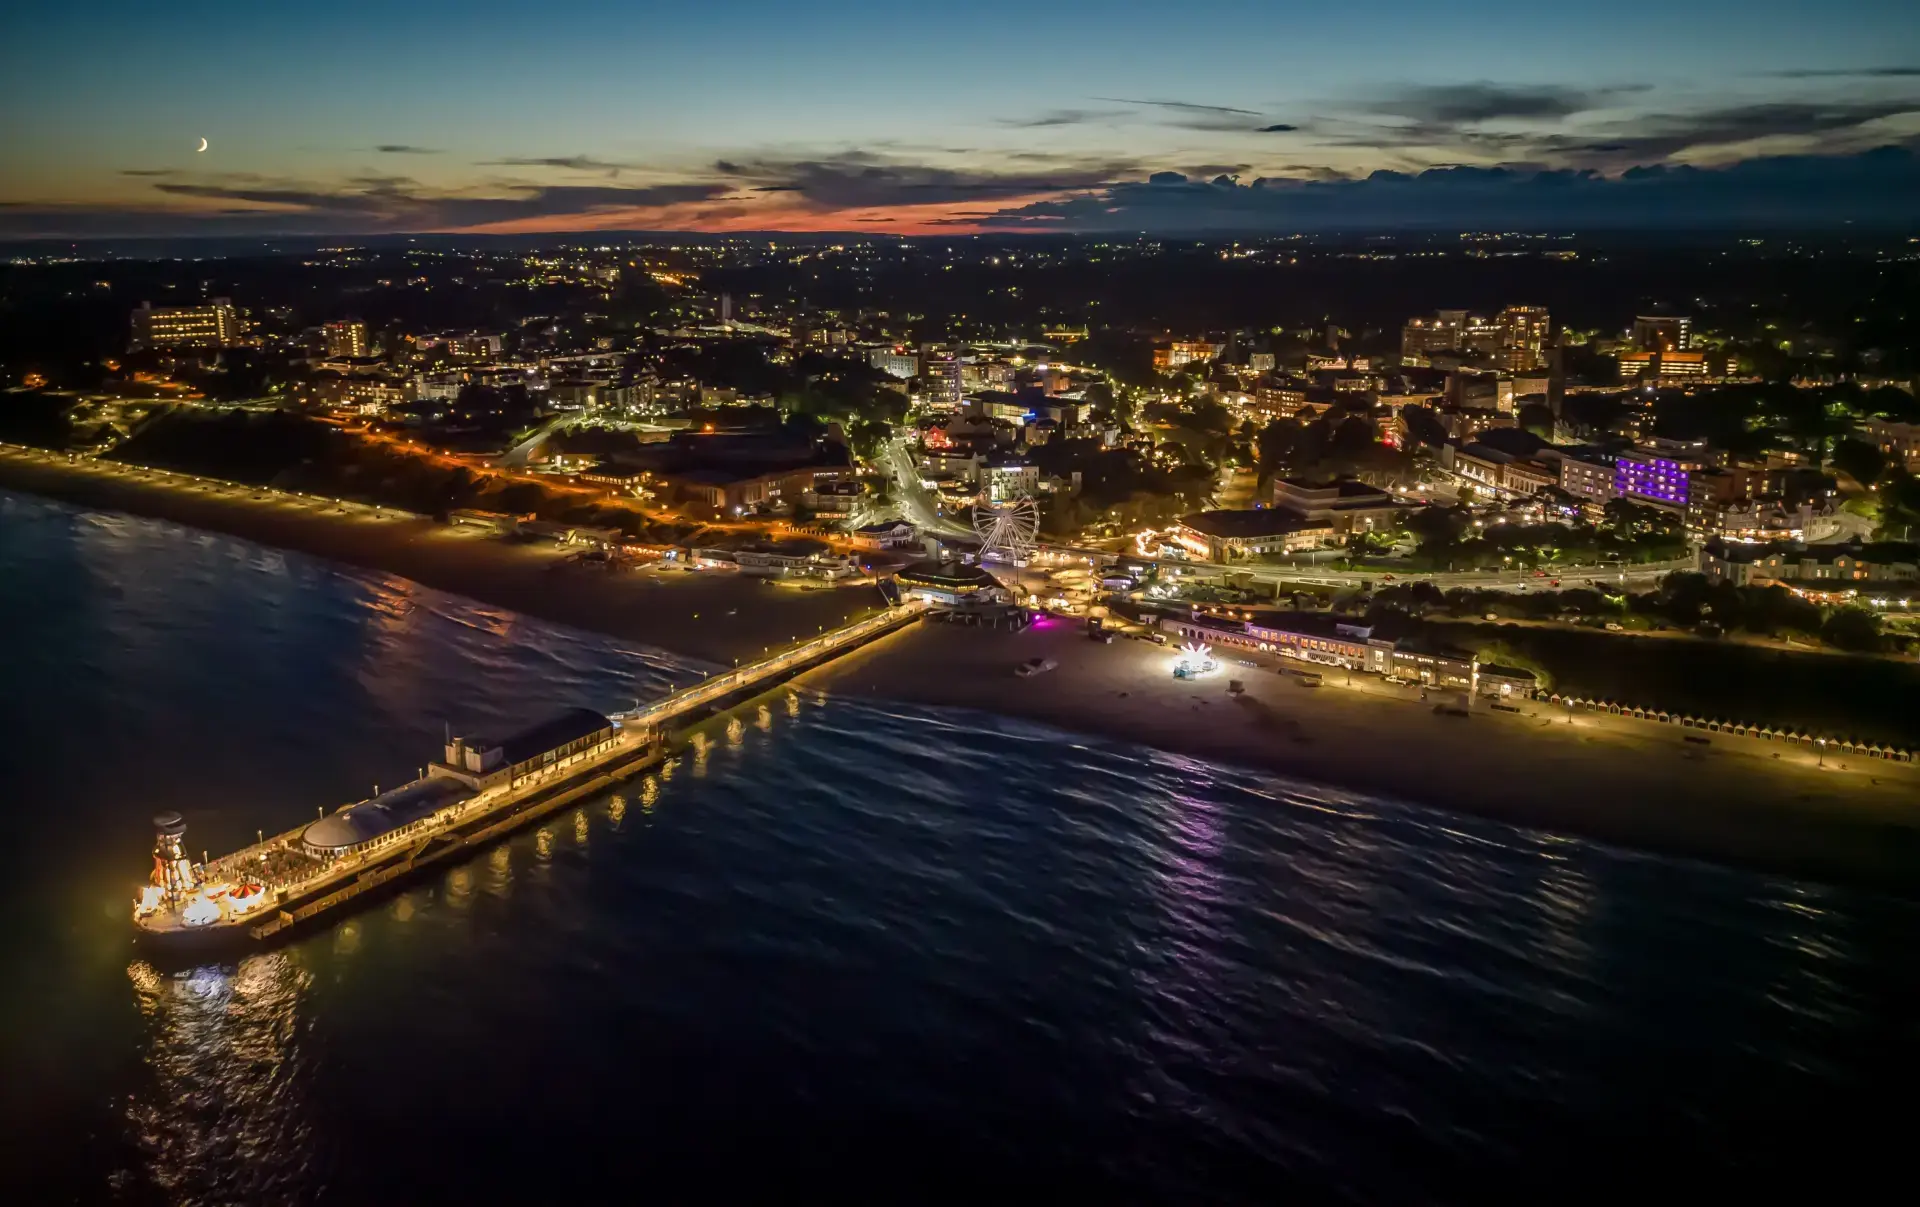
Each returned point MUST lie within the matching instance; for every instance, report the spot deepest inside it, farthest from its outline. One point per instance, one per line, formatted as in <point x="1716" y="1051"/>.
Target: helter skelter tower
<point x="172" y="870"/>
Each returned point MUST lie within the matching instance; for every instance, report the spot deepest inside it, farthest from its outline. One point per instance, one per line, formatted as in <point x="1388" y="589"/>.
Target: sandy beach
<point x="715" y="616"/>
<point x="1632" y="783"/>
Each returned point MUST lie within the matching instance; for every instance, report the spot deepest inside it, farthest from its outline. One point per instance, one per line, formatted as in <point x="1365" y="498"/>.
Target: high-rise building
<point x="1424" y="335"/>
<point x="1485" y="336"/>
<point x="1662" y="333"/>
<point x="215" y="325"/>
<point x="1524" y="337"/>
<point x="348" y="338"/>
<point x="941" y="375"/>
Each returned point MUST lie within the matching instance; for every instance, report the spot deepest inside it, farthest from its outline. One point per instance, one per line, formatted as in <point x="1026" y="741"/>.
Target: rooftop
<point x="550" y="734"/>
<point x="1261" y="521"/>
<point x="946" y="574"/>
<point x="384" y="813"/>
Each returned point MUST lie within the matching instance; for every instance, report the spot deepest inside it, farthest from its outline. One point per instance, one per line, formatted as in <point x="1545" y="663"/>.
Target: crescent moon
<point x="202" y="146"/>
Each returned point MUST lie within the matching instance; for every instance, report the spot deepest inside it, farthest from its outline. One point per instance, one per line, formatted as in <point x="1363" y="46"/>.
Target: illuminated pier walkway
<point x="786" y="662"/>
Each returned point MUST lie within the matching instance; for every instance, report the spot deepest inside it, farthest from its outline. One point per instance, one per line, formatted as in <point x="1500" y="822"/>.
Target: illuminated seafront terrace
<point x="248" y="890"/>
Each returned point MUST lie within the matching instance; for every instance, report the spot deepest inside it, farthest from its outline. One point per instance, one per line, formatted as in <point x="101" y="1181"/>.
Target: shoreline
<point x="1632" y="784"/>
<point x="713" y="617"/>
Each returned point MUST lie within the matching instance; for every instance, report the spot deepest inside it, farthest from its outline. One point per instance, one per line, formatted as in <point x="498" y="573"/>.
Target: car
<point x="1386" y="578"/>
<point x="1539" y="573"/>
<point x="1554" y="583"/>
<point x="1035" y="666"/>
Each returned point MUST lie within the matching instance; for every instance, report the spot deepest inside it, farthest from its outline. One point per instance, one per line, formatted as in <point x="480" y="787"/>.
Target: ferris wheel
<point x="1009" y="527"/>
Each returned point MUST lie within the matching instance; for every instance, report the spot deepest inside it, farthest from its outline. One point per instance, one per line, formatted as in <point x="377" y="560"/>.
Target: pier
<point x="735" y="684"/>
<point x="285" y="880"/>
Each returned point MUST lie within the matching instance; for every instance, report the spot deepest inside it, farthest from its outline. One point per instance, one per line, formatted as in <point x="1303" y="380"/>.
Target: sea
<point x="842" y="951"/>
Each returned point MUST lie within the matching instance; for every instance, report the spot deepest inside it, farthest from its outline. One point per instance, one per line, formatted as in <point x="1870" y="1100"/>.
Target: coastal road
<point x="917" y="503"/>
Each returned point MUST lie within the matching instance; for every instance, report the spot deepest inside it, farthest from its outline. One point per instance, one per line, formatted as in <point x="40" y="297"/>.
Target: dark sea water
<point x="847" y="952"/>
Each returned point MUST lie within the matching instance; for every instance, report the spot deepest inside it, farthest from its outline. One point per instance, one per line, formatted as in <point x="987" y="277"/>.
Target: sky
<point x="1202" y="116"/>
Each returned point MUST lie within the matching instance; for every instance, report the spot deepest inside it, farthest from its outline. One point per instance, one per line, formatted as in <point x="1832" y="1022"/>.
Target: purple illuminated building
<point x="1655" y="479"/>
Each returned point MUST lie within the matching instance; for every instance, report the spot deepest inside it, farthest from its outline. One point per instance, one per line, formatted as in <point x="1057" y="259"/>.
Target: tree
<point x="1537" y="417"/>
<point x="1853" y="628"/>
<point x="1423" y="426"/>
<point x="1857" y="459"/>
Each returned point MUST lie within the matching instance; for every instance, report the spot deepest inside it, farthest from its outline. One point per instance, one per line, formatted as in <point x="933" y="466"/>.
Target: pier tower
<point x="172" y="870"/>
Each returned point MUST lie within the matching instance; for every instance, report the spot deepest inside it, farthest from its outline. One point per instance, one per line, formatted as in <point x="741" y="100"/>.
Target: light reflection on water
<point x="228" y="1089"/>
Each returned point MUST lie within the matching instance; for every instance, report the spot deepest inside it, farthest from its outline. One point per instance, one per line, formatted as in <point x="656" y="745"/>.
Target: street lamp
<point x="1822" y="743"/>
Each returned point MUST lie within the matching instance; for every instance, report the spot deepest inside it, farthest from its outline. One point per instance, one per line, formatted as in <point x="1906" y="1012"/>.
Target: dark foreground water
<point x="847" y="952"/>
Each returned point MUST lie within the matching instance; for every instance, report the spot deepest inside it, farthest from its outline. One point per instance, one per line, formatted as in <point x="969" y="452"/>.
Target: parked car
<point x="1035" y="666"/>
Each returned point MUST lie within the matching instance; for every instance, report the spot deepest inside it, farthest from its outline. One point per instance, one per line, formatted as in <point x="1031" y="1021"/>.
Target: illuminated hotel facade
<point x="1648" y="478"/>
<point x="215" y="325"/>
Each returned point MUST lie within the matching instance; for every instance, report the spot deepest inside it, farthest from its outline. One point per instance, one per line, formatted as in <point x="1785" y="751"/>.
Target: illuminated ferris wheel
<point x="1009" y="528"/>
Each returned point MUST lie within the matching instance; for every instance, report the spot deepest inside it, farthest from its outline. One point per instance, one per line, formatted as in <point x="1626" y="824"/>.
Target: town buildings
<point x="1184" y="352"/>
<point x="1795" y="564"/>
<point x="1329" y="640"/>
<point x="951" y="584"/>
<point x="1223" y="536"/>
<point x="1668" y="366"/>
<point x="1900" y="442"/>
<point x="1662" y="333"/>
<point x="1343" y="505"/>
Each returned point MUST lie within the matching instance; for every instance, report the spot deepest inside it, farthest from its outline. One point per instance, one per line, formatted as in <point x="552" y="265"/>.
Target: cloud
<point x="397" y="203"/>
<point x="1839" y="124"/>
<point x="1062" y="117"/>
<point x="1471" y="104"/>
<point x="1181" y="106"/>
<point x="1276" y="128"/>
<point x="856" y="179"/>
<point x="400" y="148"/>
<point x="576" y="163"/>
<point x="1877" y="188"/>
<point x="146" y="171"/>
<point x="1837" y="73"/>
<point x="1213" y="119"/>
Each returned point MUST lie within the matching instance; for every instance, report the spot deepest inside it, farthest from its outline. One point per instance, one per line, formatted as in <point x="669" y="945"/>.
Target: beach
<point x="716" y="617"/>
<point x="1636" y="784"/>
<point x="1632" y="783"/>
